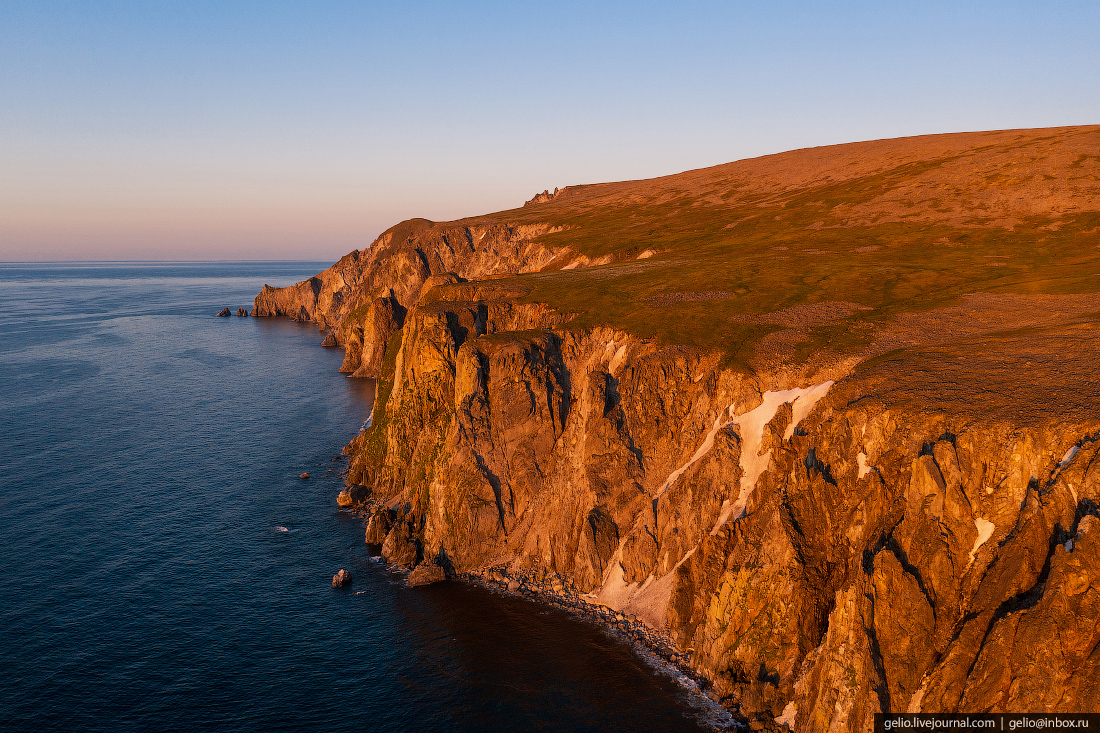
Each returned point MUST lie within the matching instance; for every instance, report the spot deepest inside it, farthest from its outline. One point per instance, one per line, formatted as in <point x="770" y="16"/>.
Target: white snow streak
<point x="864" y="469"/>
<point x="751" y="428"/>
<point x="752" y="425"/>
<point x="985" y="531"/>
<point x="788" y="716"/>
<point x="723" y="516"/>
<point x="617" y="360"/>
<point x="708" y="443"/>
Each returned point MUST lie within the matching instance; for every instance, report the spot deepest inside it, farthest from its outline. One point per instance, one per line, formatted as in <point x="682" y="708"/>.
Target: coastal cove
<point x="165" y="568"/>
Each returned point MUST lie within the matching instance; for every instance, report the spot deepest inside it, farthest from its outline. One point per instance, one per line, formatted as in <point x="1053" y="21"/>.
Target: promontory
<point x="828" y="419"/>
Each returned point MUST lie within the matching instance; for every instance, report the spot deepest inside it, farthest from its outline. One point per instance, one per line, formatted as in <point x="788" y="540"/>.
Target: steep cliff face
<point x="365" y="295"/>
<point x="827" y="548"/>
<point x="853" y="501"/>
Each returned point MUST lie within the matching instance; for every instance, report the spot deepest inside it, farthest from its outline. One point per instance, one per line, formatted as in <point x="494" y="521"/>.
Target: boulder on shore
<point x="352" y="495"/>
<point x="224" y="312"/>
<point x="426" y="574"/>
<point x="342" y="578"/>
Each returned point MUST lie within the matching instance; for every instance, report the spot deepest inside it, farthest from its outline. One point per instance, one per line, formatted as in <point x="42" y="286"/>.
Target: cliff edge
<point x="828" y="420"/>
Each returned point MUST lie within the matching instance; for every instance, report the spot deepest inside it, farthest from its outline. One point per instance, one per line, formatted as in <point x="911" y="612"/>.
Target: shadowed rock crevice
<point x="498" y="493"/>
<point x="879" y="684"/>
<point x="815" y="465"/>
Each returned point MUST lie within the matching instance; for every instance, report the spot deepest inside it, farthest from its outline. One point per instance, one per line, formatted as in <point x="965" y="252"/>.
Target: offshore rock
<point x="224" y="312"/>
<point x="342" y="578"/>
<point x="242" y="313"/>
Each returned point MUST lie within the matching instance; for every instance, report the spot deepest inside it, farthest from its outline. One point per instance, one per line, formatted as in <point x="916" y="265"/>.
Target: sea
<point x="164" y="568"/>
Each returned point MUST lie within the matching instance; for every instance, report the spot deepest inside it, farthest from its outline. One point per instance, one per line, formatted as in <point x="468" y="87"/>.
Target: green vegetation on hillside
<point x="765" y="252"/>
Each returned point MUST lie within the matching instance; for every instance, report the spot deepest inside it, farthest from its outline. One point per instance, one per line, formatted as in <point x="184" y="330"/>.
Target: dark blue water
<point x="149" y="454"/>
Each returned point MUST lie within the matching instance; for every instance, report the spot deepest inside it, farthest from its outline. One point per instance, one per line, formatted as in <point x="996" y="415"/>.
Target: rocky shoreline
<point x="553" y="591"/>
<point x="557" y="591"/>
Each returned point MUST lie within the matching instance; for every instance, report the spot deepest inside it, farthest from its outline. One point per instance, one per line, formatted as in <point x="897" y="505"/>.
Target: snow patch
<point x="572" y="265"/>
<point x="1068" y="545"/>
<point x="861" y="460"/>
<point x="751" y="427"/>
<point x="723" y="516"/>
<point x="752" y="424"/>
<point x="708" y="443"/>
<point x="788" y="716"/>
<point x="985" y="531"/>
<point x="614" y="592"/>
<point x="609" y="350"/>
<point x="647" y="254"/>
<point x="918" y="697"/>
<point x="647" y="600"/>
<point x="804" y="404"/>
<point x="1067" y="457"/>
<point x="617" y="360"/>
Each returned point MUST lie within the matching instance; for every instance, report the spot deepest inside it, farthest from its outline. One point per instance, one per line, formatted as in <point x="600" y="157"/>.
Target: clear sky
<point x="270" y="130"/>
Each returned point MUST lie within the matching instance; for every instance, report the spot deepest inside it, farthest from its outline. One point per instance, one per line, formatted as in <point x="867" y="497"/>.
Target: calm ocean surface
<point x="150" y="454"/>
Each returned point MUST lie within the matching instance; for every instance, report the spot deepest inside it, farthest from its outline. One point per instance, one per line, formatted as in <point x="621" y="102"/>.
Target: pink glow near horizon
<point x="207" y="131"/>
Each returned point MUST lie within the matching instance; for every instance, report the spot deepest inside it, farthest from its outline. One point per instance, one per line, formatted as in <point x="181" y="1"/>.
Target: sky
<point x="302" y="130"/>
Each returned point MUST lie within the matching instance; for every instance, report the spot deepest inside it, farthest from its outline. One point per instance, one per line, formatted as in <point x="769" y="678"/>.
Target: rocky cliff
<point x="363" y="298"/>
<point x="827" y="420"/>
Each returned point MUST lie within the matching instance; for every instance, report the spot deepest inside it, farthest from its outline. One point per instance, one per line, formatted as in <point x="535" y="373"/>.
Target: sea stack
<point x="342" y="578"/>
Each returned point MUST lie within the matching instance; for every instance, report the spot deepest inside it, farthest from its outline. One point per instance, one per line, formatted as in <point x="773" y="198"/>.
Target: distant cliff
<point x="363" y="298"/>
<point x="828" y="419"/>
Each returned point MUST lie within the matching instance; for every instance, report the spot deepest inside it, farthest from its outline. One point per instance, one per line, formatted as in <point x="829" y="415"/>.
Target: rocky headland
<point x="821" y="426"/>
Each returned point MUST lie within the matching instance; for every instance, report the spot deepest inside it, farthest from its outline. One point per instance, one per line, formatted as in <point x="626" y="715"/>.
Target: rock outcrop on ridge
<point x="829" y="420"/>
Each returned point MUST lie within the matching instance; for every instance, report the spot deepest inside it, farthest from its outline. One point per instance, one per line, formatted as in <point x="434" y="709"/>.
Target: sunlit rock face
<point x="857" y="480"/>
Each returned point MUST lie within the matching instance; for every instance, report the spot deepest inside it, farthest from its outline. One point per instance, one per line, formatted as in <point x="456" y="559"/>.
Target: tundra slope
<point x="828" y="418"/>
